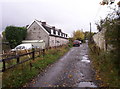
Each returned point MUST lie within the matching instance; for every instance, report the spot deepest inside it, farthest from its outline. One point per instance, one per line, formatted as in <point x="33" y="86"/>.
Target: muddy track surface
<point x="72" y="70"/>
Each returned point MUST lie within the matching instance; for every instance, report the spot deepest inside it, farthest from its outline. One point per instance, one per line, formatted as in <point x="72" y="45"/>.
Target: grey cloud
<point x="68" y="16"/>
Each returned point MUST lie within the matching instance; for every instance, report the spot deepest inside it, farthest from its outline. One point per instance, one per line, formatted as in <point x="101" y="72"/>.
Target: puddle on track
<point x="86" y="84"/>
<point x="85" y="59"/>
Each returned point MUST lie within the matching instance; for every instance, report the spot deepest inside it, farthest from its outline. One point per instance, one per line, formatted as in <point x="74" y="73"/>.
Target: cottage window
<point x="34" y="28"/>
<point x="58" y="42"/>
<point x="51" y="31"/>
<point x="33" y="32"/>
<point x="39" y="37"/>
<point x="56" y="32"/>
<point x="60" y="33"/>
<point x="52" y="41"/>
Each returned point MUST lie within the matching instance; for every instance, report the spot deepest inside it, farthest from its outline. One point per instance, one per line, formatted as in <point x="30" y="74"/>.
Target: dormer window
<point x="51" y="31"/>
<point x="63" y="35"/>
<point x="60" y="34"/>
<point x="56" y="32"/>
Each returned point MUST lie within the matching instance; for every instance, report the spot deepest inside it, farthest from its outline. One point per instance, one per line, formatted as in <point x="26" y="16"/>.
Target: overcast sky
<point x="68" y="15"/>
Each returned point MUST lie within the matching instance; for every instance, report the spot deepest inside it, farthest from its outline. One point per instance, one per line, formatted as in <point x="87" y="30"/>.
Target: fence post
<point x="18" y="59"/>
<point x="33" y="55"/>
<point x="4" y="67"/>
<point x="43" y="52"/>
<point x="39" y="52"/>
<point x="30" y="65"/>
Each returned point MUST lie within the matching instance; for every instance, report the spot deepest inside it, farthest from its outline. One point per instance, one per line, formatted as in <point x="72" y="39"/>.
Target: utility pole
<point x="90" y="32"/>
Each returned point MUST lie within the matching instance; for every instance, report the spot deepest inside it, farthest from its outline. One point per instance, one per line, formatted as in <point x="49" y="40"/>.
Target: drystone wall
<point x="99" y="39"/>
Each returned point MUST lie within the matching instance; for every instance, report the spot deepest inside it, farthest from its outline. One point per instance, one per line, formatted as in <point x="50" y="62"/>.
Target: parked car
<point x="76" y="43"/>
<point x="23" y="47"/>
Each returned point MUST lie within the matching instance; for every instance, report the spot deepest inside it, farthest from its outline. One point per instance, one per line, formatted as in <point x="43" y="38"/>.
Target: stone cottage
<point x="52" y="36"/>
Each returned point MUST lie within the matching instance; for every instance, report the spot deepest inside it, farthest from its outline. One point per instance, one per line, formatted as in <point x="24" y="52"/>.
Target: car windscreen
<point x="76" y="41"/>
<point x="20" y="47"/>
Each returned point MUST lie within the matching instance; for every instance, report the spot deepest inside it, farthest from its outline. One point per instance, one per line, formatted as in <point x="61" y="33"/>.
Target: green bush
<point x="15" y="35"/>
<point x="104" y="65"/>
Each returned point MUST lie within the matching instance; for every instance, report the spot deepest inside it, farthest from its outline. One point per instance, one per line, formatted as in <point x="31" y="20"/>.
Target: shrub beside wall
<point x="103" y="62"/>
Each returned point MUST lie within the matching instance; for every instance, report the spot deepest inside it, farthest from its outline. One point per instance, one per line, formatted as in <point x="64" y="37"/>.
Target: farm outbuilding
<point x="36" y="43"/>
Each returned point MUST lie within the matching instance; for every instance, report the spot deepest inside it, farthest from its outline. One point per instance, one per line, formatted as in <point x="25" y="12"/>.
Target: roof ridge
<point x="48" y="28"/>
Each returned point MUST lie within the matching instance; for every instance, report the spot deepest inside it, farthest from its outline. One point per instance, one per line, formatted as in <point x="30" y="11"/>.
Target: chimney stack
<point x="43" y="23"/>
<point x="59" y="30"/>
<point x="53" y="27"/>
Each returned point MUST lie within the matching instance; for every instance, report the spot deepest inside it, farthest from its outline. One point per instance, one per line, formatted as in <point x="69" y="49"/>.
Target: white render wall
<point x="57" y="41"/>
<point x="51" y="41"/>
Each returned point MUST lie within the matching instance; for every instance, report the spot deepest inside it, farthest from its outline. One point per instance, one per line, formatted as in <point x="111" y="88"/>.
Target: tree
<point x="87" y="34"/>
<point x="112" y="37"/>
<point x="78" y="35"/>
<point x="15" y="35"/>
<point x="106" y="2"/>
<point x="100" y="25"/>
<point x="109" y="2"/>
<point x="3" y="36"/>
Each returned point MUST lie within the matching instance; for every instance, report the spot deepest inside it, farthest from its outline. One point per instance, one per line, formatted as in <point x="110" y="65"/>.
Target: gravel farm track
<point x="72" y="70"/>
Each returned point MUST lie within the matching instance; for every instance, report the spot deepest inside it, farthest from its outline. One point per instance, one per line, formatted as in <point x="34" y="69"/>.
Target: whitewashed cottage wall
<point x="35" y="32"/>
<point x="57" y="41"/>
<point x="51" y="41"/>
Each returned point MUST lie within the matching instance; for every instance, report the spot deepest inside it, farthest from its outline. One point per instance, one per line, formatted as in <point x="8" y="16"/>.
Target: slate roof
<point x="48" y="28"/>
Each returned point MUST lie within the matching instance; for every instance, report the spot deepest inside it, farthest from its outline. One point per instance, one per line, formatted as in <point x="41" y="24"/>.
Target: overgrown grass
<point x="104" y="66"/>
<point x="23" y="73"/>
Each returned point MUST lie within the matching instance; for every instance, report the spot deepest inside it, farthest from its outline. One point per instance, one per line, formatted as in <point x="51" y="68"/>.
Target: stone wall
<point x="35" y="32"/>
<point x="99" y="39"/>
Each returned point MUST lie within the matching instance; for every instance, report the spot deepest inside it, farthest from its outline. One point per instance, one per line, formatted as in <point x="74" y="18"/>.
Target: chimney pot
<point x="59" y="30"/>
<point x="53" y="27"/>
<point x="44" y="23"/>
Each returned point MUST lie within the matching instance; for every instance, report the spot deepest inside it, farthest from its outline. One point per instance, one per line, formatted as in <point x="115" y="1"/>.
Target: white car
<point x="80" y="42"/>
<point x="23" y="47"/>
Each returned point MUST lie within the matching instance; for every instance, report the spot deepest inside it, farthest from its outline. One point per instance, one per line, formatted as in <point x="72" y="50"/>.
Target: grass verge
<point x="104" y="66"/>
<point x="23" y="73"/>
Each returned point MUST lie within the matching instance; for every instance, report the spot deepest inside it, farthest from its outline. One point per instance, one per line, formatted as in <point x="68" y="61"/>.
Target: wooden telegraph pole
<point x="90" y="32"/>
